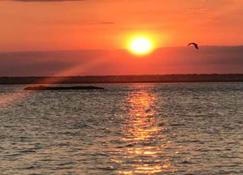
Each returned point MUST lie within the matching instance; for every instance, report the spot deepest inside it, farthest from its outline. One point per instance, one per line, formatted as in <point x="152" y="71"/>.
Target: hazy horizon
<point x="167" y="60"/>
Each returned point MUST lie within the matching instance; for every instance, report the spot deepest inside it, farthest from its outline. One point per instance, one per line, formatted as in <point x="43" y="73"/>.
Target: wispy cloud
<point x="47" y="0"/>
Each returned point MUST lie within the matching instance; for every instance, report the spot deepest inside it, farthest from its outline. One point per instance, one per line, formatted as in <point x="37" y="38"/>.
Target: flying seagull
<point x="195" y="45"/>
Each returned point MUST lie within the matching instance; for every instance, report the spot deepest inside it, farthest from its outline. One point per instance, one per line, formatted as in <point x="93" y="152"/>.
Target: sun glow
<point x="141" y="45"/>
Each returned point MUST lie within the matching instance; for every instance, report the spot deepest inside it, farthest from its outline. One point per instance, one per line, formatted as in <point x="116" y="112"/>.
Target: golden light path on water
<point x="145" y="137"/>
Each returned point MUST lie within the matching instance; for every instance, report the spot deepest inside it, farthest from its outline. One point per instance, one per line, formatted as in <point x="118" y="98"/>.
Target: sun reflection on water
<point x="144" y="137"/>
<point x="141" y="124"/>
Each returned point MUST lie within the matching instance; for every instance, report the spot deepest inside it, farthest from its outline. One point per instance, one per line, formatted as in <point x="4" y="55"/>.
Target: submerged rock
<point x="63" y="88"/>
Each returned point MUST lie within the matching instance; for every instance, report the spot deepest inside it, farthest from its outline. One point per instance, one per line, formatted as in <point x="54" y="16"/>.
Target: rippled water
<point x="126" y="129"/>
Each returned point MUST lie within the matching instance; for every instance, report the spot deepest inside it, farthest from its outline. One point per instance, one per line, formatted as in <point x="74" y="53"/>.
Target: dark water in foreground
<point x="126" y="129"/>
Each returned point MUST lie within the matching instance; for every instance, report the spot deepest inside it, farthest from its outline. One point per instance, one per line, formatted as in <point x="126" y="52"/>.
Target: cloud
<point x="210" y="59"/>
<point x="47" y="0"/>
<point x="107" y="22"/>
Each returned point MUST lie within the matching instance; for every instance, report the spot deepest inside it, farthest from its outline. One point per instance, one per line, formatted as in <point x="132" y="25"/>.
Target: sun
<point x="141" y="45"/>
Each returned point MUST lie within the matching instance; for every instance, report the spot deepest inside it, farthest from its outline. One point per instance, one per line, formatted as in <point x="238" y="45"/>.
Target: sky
<point x="53" y="25"/>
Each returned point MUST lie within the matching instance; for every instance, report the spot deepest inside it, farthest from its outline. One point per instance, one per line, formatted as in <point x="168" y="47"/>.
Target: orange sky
<point x="92" y="24"/>
<point x="99" y="29"/>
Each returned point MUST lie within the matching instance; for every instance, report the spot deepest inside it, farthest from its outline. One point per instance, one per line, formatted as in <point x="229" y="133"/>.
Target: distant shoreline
<point x="124" y="79"/>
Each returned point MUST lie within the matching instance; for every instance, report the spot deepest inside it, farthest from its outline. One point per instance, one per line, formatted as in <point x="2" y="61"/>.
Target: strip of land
<point x="124" y="79"/>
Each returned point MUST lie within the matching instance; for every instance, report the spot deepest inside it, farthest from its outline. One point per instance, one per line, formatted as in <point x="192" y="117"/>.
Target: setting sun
<point x="141" y="45"/>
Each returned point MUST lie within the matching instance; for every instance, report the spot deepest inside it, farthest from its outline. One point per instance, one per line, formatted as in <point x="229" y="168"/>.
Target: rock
<point x="63" y="88"/>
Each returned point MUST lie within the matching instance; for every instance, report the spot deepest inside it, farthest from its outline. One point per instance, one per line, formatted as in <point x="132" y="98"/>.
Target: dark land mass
<point x="63" y="88"/>
<point x="124" y="79"/>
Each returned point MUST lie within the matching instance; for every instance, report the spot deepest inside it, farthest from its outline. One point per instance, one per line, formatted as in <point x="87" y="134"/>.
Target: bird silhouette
<point x="194" y="45"/>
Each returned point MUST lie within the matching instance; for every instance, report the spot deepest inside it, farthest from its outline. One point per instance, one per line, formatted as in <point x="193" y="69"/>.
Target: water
<point x="126" y="129"/>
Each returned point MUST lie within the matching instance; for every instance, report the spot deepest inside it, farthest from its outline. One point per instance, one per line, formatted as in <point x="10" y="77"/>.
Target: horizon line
<point x="132" y="75"/>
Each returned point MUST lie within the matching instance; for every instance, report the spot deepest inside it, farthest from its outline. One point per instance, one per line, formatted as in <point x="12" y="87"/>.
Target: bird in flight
<point x="194" y="45"/>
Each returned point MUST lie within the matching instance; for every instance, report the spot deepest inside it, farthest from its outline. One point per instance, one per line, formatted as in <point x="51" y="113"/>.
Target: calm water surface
<point x="126" y="129"/>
